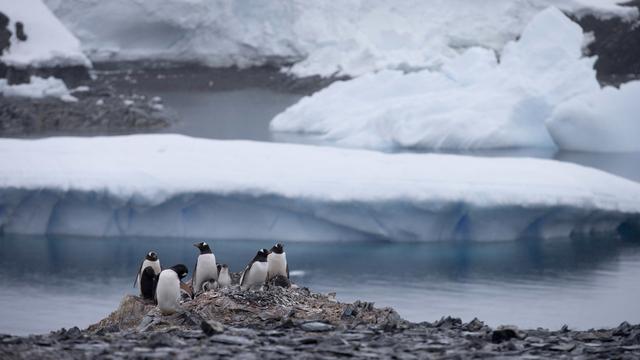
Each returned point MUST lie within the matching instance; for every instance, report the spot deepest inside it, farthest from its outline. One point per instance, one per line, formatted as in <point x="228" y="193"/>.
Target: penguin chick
<point x="168" y="288"/>
<point x="255" y="274"/>
<point x="224" y="279"/>
<point x="277" y="262"/>
<point x="205" y="268"/>
<point x="148" y="281"/>
<point x="151" y="259"/>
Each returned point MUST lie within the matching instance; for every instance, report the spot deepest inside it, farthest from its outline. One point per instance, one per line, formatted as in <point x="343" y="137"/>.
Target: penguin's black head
<point x="152" y="256"/>
<point x="261" y="255"/>
<point x="222" y="266"/>
<point x="277" y="248"/>
<point x="181" y="270"/>
<point x="204" y="247"/>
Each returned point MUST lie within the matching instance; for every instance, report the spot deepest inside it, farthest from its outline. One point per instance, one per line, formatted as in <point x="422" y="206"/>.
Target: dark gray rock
<point x="211" y="327"/>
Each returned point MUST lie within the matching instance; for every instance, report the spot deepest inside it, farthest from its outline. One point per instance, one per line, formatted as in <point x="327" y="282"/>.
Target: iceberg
<point x="322" y="37"/>
<point x="177" y="186"/>
<point x="602" y="120"/>
<point x="48" y="43"/>
<point x="477" y="100"/>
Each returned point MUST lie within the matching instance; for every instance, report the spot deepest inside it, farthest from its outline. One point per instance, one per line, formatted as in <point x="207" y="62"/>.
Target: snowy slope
<point x="172" y="185"/>
<point x="474" y="101"/>
<point x="351" y="37"/>
<point x="48" y="43"/>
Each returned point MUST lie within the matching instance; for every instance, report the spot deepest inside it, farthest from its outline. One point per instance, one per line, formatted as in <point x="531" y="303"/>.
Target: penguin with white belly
<point x="277" y="262"/>
<point x="206" y="269"/>
<point x="150" y="260"/>
<point x="255" y="274"/>
<point x="224" y="278"/>
<point x="168" y="288"/>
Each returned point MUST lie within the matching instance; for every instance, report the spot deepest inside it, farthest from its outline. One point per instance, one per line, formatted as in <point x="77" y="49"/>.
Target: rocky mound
<point x="279" y="323"/>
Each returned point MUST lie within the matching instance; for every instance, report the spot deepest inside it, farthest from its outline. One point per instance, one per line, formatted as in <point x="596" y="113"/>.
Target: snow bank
<point x="48" y="44"/>
<point x="171" y="185"/>
<point x="603" y="120"/>
<point x="38" y="88"/>
<point x="473" y="102"/>
<point x="351" y="37"/>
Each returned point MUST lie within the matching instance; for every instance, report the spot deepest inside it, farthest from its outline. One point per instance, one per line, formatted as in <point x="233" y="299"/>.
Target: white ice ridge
<point x="322" y="37"/>
<point x="478" y="101"/>
<point x="172" y="185"/>
<point x="38" y="88"/>
<point x="48" y="43"/>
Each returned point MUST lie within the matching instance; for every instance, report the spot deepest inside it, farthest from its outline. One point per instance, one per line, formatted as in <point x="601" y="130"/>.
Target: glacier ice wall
<point x="320" y="37"/>
<point x="274" y="217"/>
<point x="170" y="185"/>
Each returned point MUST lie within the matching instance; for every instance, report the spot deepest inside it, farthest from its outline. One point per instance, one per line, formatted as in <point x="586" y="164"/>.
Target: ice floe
<point x="172" y="185"/>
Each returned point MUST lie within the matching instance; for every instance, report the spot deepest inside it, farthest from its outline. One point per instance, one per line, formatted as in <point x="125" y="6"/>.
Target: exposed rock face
<point x="99" y="110"/>
<point x="617" y="45"/>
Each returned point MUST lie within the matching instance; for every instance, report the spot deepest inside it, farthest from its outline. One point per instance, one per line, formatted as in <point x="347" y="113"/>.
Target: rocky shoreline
<point x="279" y="323"/>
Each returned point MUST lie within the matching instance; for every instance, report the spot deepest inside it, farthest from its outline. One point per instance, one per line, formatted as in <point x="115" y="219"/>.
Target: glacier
<point x="177" y="186"/>
<point x="479" y="99"/>
<point x="48" y="44"/>
<point x="323" y="38"/>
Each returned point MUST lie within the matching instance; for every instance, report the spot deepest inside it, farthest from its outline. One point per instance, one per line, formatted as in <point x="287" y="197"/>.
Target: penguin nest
<point x="268" y="308"/>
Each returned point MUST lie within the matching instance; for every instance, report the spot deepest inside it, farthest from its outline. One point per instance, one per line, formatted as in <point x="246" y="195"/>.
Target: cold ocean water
<point x="58" y="281"/>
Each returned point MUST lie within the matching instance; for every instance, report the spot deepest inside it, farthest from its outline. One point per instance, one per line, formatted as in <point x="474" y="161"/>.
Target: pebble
<point x="316" y="326"/>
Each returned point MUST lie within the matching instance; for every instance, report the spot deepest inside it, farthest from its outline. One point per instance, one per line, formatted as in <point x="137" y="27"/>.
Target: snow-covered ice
<point x="38" y="88"/>
<point x="48" y="44"/>
<point x="172" y="185"/>
<point x="473" y="102"/>
<point x="321" y="37"/>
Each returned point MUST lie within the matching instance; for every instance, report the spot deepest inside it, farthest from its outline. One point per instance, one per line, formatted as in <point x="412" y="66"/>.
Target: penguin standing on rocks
<point x="150" y="260"/>
<point x="205" y="269"/>
<point x="224" y="279"/>
<point x="277" y="262"/>
<point x="148" y="281"/>
<point x="168" y="288"/>
<point x="256" y="272"/>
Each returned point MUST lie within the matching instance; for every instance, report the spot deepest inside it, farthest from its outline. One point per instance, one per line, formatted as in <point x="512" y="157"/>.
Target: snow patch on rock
<point x="48" y="44"/>
<point x="38" y="88"/>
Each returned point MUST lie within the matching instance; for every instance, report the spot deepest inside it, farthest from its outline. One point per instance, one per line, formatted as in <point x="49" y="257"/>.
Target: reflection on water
<point x="64" y="281"/>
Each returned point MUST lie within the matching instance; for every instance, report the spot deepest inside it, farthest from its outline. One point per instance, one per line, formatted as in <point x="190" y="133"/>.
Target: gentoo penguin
<point x="277" y="262"/>
<point x="168" y="288"/>
<point x="256" y="272"/>
<point x="224" y="279"/>
<point x="205" y="269"/>
<point x="148" y="281"/>
<point x="150" y="260"/>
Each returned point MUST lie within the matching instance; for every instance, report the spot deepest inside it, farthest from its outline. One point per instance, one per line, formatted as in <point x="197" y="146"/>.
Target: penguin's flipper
<point x="193" y="279"/>
<point x="245" y="272"/>
<point x="287" y="270"/>
<point x="137" y="280"/>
